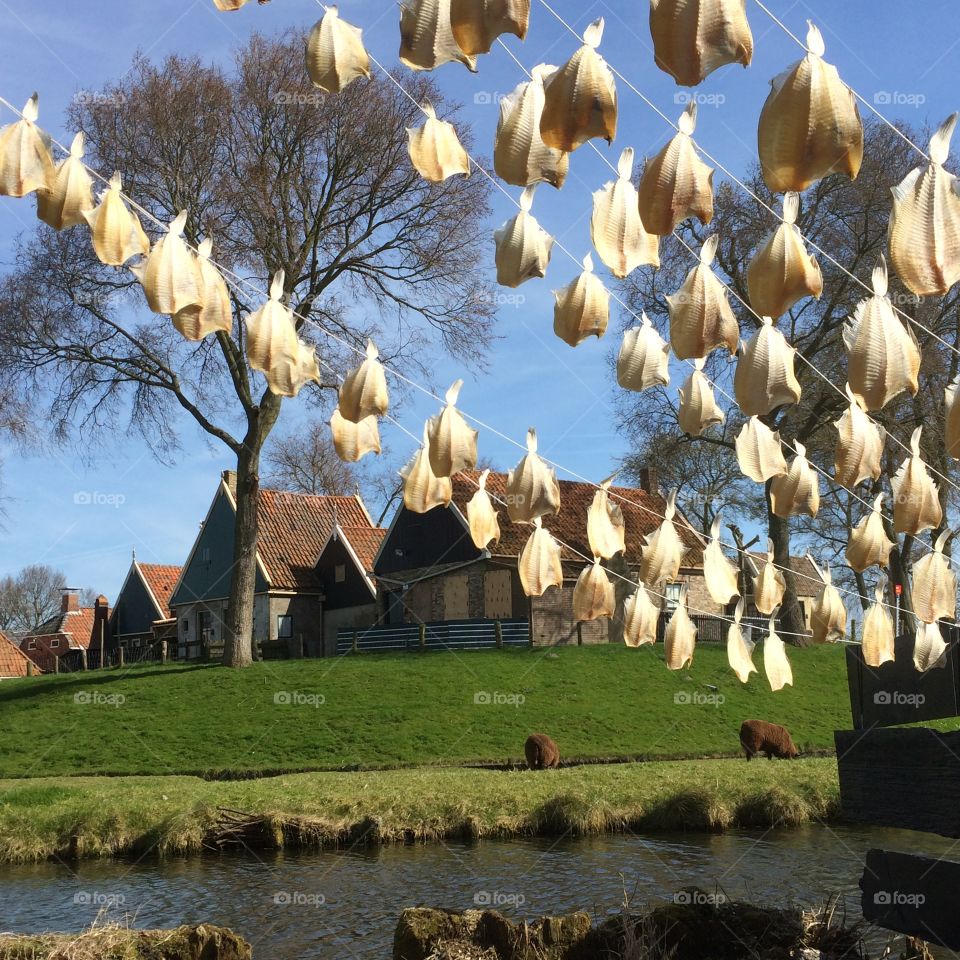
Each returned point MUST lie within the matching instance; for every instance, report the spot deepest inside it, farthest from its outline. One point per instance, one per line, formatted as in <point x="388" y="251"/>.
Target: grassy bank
<point x="96" y="816"/>
<point x="377" y="711"/>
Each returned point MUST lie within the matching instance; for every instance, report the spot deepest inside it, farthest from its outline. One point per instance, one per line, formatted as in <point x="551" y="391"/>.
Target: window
<point x="185" y="626"/>
<point x="54" y="643"/>
<point x="284" y="627"/>
<point x="672" y="593"/>
<point x="32" y="645"/>
<point x="340" y="572"/>
<point x="205" y="555"/>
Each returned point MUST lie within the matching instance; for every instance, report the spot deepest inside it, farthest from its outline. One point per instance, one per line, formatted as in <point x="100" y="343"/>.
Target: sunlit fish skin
<point x="580" y="99"/>
<point x="698" y="407"/>
<point x="532" y="488"/>
<point x="643" y="360"/>
<point x="810" y="126"/>
<point x="869" y="544"/>
<point x="860" y="443"/>
<point x="582" y="308"/>
<point x="522" y="246"/>
<point x="765" y="378"/>
<point x="916" y="503"/>
<point x="26" y="163"/>
<point x="758" y="451"/>
<point x="782" y="273"/>
<point x="676" y="183"/>
<point x="593" y="594"/>
<point x="477" y="23"/>
<point x="798" y="490"/>
<point x="934" y="584"/>
<point x="692" y="38"/>
<point x="452" y="442"/>
<point x="878" y="635"/>
<point x="70" y="193"/>
<point x="426" y="36"/>
<point x="435" y="150"/>
<point x="924" y="232"/>
<point x="540" y="565"/>
<point x="335" y="53"/>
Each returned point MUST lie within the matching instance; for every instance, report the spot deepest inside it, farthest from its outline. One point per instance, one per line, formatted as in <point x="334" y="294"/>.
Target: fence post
<point x="83" y="658"/>
<point x="163" y="651"/>
<point x="579" y="634"/>
<point x="56" y="664"/>
<point x="29" y="668"/>
<point x="423" y="637"/>
<point x="853" y="631"/>
<point x="498" y="632"/>
<point x="355" y="646"/>
<point x="120" y="656"/>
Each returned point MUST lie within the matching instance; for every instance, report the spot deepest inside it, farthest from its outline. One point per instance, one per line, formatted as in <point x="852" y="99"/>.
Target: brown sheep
<point x="541" y="752"/>
<point x="758" y="736"/>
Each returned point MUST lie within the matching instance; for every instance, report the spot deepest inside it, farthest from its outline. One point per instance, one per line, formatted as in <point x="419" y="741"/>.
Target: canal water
<point x="346" y="903"/>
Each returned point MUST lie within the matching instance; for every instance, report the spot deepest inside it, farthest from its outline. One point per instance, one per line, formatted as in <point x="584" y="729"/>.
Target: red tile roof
<point x="642" y="514"/>
<point x="365" y="542"/>
<point x="161" y="578"/>
<point x="13" y="662"/>
<point x="75" y="625"/>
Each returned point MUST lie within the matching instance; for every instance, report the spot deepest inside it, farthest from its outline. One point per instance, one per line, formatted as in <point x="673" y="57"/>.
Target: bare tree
<point x="283" y="177"/>
<point x="30" y="598"/>
<point x="848" y="220"/>
<point x="306" y="462"/>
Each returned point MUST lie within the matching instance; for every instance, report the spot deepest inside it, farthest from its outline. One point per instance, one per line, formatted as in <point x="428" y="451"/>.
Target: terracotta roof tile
<point x="75" y="625"/>
<point x="161" y="578"/>
<point x="366" y="542"/>
<point x="13" y="662"/>
<point x="642" y="513"/>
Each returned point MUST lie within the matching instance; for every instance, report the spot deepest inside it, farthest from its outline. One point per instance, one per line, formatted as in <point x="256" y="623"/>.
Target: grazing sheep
<point x="758" y="736"/>
<point x="541" y="752"/>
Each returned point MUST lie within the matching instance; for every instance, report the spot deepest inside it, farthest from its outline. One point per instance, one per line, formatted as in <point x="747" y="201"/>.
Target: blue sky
<point x="86" y="518"/>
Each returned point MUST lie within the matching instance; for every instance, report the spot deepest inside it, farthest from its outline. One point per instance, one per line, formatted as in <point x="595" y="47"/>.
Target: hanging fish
<point x="532" y="488"/>
<point x="581" y="308"/>
<point x="640" y="618"/>
<point x="859" y="445"/>
<point x="115" y="230"/>
<point x="335" y="53"/>
<point x="676" y="183"/>
<point x="422" y="488"/>
<point x="364" y="389"/>
<point x="435" y="150"/>
<point x="916" y="500"/>
<point x="869" y="544"/>
<point x="580" y="100"/>
<point x="523" y="246"/>
<point x="25" y="160"/>
<point x="605" y="527"/>
<point x="698" y="406"/>
<point x="681" y="636"/>
<point x="663" y="549"/>
<point x="810" y="126"/>
<point x="352" y="441"/>
<point x="701" y="318"/>
<point x="765" y="377"/>
<point x="775" y="663"/>
<point x="171" y="275"/>
<point x="482" y="517"/>
<point x="798" y="490"/>
<point x="934" y="584"/>
<point x="719" y="573"/>
<point x="540" y="565"/>
<point x="884" y="358"/>
<point x="272" y="343"/>
<point x="643" y="358"/>
<point x="593" y="594"/>
<point x="770" y="585"/>
<point x="758" y="451"/>
<point x="929" y="650"/>
<point x="477" y="23"/>
<point x="520" y="156"/>
<point x="782" y="272"/>
<point x="214" y="312"/>
<point x="739" y="652"/>
<point x="692" y="38"/>
<point x="616" y="229"/>
<point x="453" y="444"/>
<point x="227" y="5"/>
<point x="951" y="416"/>
<point x="71" y="192"/>
<point x="878" y="637"/>
<point x="426" y="36"/>
<point x="828" y="615"/>
<point x="289" y="375"/>
<point x="924" y="233"/>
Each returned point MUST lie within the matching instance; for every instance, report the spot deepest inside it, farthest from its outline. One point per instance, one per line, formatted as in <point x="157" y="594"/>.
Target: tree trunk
<point x="238" y="641"/>
<point x="790" y="615"/>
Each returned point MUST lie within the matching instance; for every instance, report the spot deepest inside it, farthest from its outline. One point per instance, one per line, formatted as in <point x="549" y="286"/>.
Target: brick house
<point x="142" y="609"/>
<point x="308" y="545"/>
<point x="13" y="662"/>
<point x="429" y="570"/>
<point x="74" y="633"/>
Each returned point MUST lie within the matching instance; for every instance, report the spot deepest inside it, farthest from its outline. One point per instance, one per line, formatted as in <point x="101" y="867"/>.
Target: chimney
<point x="100" y="634"/>
<point x="648" y="479"/>
<point x="69" y="600"/>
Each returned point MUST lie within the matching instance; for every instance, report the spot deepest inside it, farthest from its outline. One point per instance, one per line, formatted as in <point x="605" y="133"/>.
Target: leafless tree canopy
<point x="282" y="176"/>
<point x="30" y="598"/>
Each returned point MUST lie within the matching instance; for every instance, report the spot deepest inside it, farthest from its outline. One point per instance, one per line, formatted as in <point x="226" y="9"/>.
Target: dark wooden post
<point x="120" y="656"/>
<point x="300" y="644"/>
<point x="423" y="637"/>
<point x="579" y="634"/>
<point x="498" y="633"/>
<point x="83" y="658"/>
<point x="29" y="668"/>
<point x="355" y="646"/>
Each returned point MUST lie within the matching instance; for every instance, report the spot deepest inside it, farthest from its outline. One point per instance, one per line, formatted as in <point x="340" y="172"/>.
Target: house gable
<point x="341" y="575"/>
<point x="136" y="608"/>
<point x="417" y="540"/>
<point x="207" y="573"/>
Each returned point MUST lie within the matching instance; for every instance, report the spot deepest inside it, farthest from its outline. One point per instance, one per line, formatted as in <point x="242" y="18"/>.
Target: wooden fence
<point x="449" y="635"/>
